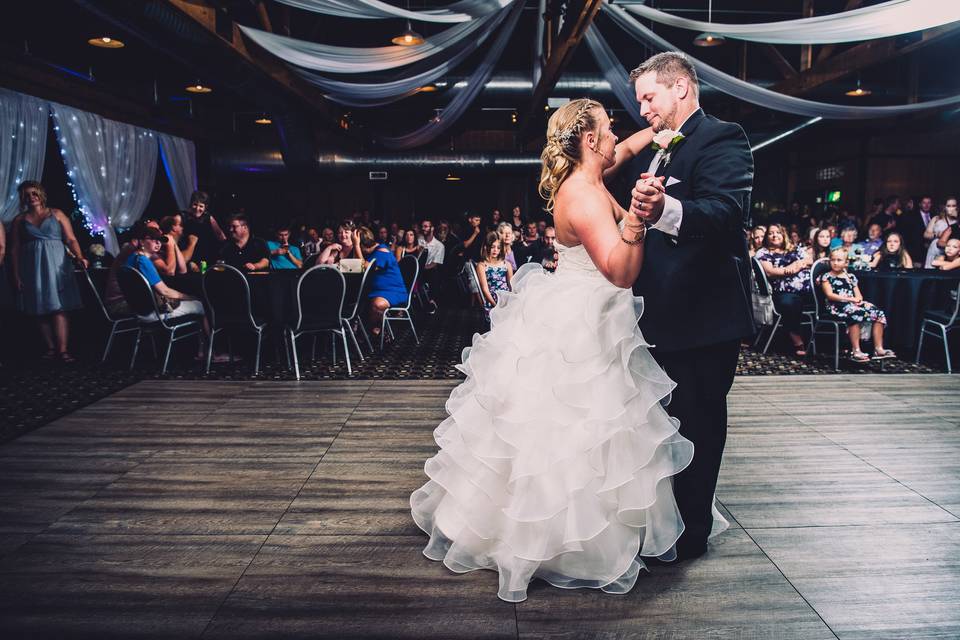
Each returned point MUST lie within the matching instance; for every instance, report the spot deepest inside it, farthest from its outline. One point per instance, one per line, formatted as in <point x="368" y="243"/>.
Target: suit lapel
<point x="687" y="130"/>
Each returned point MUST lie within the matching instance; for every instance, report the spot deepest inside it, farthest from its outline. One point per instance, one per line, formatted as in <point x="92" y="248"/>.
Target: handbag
<point x="763" y="309"/>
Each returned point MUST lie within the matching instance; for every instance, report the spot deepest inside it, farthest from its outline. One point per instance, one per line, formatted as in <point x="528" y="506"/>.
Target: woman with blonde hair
<point x="555" y="460"/>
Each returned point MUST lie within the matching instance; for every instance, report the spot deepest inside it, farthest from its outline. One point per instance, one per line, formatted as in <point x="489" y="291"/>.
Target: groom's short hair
<point x="668" y="66"/>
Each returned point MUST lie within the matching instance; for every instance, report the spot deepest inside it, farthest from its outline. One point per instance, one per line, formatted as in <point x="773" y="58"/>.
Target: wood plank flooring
<point x="256" y="509"/>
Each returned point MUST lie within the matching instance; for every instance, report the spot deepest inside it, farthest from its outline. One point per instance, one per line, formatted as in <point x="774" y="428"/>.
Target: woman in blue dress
<point x="387" y="288"/>
<point x="42" y="272"/>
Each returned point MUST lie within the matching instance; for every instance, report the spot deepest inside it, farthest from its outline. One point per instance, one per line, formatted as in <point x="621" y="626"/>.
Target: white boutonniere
<point x="665" y="141"/>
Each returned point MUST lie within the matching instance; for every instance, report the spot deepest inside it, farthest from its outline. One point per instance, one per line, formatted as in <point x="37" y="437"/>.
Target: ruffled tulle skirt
<point x="556" y="459"/>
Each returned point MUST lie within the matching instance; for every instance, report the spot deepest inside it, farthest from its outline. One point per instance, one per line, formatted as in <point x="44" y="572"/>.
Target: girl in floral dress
<point x="493" y="272"/>
<point x="845" y="302"/>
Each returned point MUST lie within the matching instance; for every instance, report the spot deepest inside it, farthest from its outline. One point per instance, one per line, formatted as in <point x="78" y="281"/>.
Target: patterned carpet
<point x="35" y="392"/>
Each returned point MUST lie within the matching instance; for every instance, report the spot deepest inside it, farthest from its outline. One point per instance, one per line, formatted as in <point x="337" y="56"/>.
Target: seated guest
<point x="936" y="229"/>
<point x="383" y="235"/>
<point x="493" y="271"/>
<point x="313" y="244"/>
<point x="516" y="219"/>
<point x="548" y="252"/>
<point x="541" y="227"/>
<point x="507" y="237"/>
<point x="495" y="219"/>
<point x="788" y="269"/>
<point x="328" y="236"/>
<point x="207" y="236"/>
<point x="149" y="243"/>
<point x="820" y="247"/>
<point x="845" y="301"/>
<point x="892" y="255"/>
<point x="175" y="262"/>
<point x="874" y="240"/>
<point x="528" y="248"/>
<point x="387" y="288"/>
<point x="243" y="251"/>
<point x="755" y="240"/>
<point x="113" y="298"/>
<point x="344" y="247"/>
<point x="409" y="246"/>
<point x="282" y="254"/>
<point x="848" y="235"/>
<point x="950" y="259"/>
<point x="436" y="253"/>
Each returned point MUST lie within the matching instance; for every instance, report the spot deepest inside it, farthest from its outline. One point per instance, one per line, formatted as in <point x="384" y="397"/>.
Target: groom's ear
<point x="682" y="87"/>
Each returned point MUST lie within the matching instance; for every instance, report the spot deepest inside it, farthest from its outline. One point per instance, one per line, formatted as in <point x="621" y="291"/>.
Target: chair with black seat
<point x="939" y="324"/>
<point x="353" y="309"/>
<point x="823" y="323"/>
<point x="311" y="261"/>
<point x="229" y="304"/>
<point x="140" y="296"/>
<point x="764" y="290"/>
<point x="410" y="271"/>
<point x="471" y="267"/>
<point x="319" y="308"/>
<point x="118" y="324"/>
<point x="422" y="291"/>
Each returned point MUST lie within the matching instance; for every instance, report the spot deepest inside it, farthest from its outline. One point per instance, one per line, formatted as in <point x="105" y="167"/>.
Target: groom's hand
<point x="647" y="198"/>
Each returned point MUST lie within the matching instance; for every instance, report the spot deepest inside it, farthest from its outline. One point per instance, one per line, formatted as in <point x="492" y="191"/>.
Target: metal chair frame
<point x="763" y="288"/>
<point x="942" y="330"/>
<point x="295" y="332"/>
<point x="831" y="327"/>
<point x="125" y="324"/>
<point x="258" y="329"/>
<point x="402" y="313"/>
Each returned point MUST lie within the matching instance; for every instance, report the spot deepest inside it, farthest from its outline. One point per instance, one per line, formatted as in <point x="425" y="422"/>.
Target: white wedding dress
<point x="556" y="459"/>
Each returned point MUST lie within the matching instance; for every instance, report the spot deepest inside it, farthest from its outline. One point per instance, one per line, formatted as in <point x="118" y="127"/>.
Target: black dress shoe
<point x="684" y="553"/>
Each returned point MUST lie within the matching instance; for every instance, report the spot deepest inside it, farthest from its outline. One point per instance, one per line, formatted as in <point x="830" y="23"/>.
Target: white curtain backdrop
<point x="765" y="97"/>
<point x="23" y="145"/>
<point x="406" y="83"/>
<point x="111" y="166"/>
<point x="462" y="101"/>
<point x="179" y="157"/>
<point x="376" y="10"/>
<point x="321" y="57"/>
<point x="879" y="21"/>
<point x="615" y="74"/>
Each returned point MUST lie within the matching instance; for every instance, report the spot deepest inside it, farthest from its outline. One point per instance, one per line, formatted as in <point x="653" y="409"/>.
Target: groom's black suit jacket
<point x="696" y="286"/>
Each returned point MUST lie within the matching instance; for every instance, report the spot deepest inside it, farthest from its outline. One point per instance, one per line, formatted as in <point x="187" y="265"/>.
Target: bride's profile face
<point x="603" y="141"/>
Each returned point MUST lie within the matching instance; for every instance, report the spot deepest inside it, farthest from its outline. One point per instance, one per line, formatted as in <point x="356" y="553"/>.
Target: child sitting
<point x="493" y="271"/>
<point x="845" y="302"/>
<point x="951" y="256"/>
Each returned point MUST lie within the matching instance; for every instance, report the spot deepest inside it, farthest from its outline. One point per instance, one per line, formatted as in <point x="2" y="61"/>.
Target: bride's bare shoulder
<point x="577" y="198"/>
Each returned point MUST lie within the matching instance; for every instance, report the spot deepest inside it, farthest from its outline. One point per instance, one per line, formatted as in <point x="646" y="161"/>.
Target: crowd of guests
<point x="889" y="237"/>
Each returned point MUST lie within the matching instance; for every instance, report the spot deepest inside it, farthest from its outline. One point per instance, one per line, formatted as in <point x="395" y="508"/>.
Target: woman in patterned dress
<point x="788" y="269"/>
<point x="845" y="302"/>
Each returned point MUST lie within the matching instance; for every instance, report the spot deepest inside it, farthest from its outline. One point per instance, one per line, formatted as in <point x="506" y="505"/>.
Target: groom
<point x="695" y="196"/>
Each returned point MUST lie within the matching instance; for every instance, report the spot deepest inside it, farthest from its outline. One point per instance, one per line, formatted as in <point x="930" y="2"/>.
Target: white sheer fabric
<point x="371" y="94"/>
<point x="465" y="98"/>
<point x="615" y="74"/>
<point x="179" y="157"/>
<point x="376" y="10"/>
<point x="765" y="97"/>
<point x="879" y="21"/>
<point x="321" y="57"/>
<point x="112" y="166"/>
<point x="23" y="145"/>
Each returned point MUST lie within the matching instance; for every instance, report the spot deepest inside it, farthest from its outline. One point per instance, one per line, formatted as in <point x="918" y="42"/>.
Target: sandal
<point x="859" y="356"/>
<point x="66" y="358"/>
<point x="883" y="354"/>
<point x="800" y="351"/>
<point x="49" y="354"/>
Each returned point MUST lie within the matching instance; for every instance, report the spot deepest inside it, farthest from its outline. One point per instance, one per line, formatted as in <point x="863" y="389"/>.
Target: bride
<point x="556" y="458"/>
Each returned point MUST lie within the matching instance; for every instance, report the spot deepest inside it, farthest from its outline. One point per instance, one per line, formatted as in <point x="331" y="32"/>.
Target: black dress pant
<point x="704" y="376"/>
<point x="790" y="306"/>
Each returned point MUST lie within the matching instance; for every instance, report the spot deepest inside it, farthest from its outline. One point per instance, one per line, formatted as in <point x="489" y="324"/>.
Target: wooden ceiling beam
<point x="781" y="63"/>
<point x="827" y="50"/>
<point x="579" y="16"/>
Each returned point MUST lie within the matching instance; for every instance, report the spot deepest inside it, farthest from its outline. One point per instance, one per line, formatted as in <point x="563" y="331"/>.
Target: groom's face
<point x="658" y="102"/>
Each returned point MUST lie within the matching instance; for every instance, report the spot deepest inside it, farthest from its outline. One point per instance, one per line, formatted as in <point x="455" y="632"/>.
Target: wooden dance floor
<point x="233" y="510"/>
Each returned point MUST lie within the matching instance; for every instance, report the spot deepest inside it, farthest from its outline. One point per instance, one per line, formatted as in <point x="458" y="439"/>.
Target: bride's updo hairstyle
<point x="562" y="153"/>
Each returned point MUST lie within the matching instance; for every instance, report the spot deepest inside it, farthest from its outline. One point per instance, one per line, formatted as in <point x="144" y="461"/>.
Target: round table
<point x="905" y="295"/>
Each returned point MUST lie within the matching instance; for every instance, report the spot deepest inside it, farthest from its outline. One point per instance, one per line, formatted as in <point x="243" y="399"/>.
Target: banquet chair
<point x="139" y="295"/>
<point x="939" y="324"/>
<point x="118" y="325"/>
<point x="227" y="293"/>
<point x="319" y="308"/>
<point x="355" y="310"/>
<point x="422" y="291"/>
<point x="472" y="275"/>
<point x="822" y="322"/>
<point x="410" y="270"/>
<point x="764" y="290"/>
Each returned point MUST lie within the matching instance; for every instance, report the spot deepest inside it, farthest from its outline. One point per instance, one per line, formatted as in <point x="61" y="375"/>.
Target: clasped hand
<point x="647" y="198"/>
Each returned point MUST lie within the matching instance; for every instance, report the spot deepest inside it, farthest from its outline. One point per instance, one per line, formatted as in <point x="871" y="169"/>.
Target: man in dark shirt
<point x="243" y="251"/>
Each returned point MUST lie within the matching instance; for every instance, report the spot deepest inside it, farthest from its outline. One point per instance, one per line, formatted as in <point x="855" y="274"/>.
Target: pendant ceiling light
<point x="452" y="178"/>
<point x="263" y="119"/>
<point x="708" y="39"/>
<point x="198" y="87"/>
<point x="106" y="42"/>
<point x="859" y="92"/>
<point x="408" y="38"/>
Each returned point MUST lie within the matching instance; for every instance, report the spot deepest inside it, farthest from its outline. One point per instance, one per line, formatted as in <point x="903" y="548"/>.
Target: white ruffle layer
<point x="556" y="458"/>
